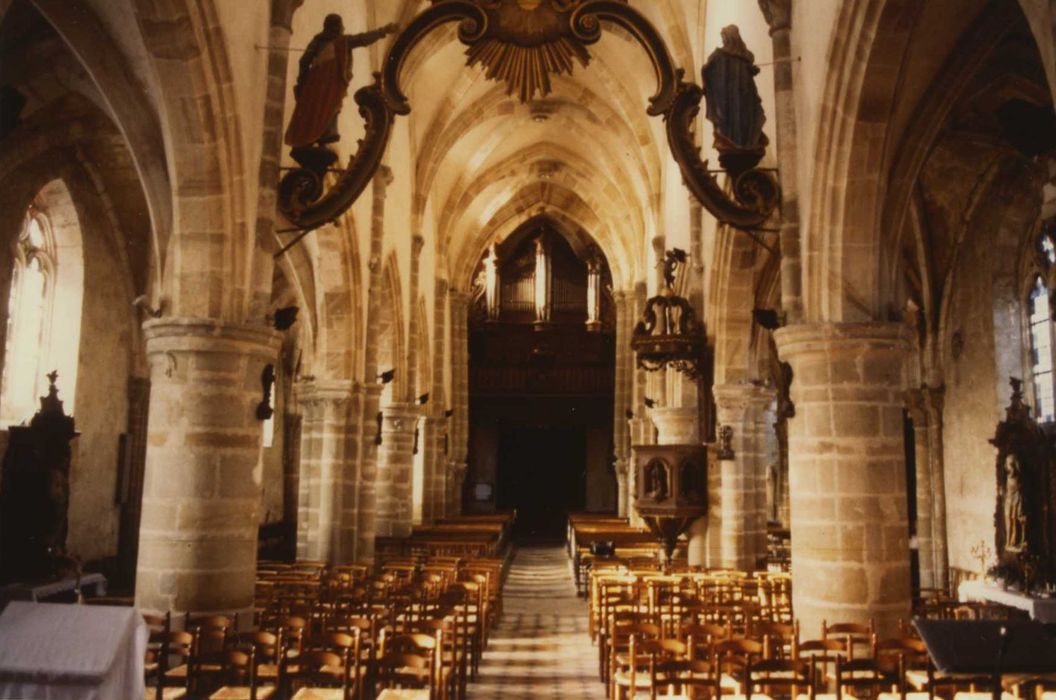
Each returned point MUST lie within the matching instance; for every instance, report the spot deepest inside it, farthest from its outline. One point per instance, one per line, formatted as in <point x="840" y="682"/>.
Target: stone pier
<point x="202" y="486"/>
<point x="395" y="461"/>
<point x="850" y="531"/>
<point x="743" y="478"/>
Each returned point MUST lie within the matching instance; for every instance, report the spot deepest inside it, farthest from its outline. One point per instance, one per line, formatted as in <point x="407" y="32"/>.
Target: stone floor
<point x="540" y="648"/>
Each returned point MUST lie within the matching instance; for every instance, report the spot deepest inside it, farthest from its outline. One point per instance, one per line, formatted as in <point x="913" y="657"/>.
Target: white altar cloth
<point x="71" y="652"/>
<point x="1039" y="609"/>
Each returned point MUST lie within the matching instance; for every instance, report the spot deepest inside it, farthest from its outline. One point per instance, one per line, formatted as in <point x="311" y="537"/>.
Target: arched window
<point x="29" y="310"/>
<point x="1042" y="332"/>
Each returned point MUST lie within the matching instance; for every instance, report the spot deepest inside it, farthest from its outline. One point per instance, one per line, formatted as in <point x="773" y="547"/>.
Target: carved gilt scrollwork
<point x="309" y="201"/>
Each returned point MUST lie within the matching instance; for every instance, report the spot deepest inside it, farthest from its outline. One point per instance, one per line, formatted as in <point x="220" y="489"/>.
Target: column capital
<point x="806" y="339"/>
<point x="925" y="401"/>
<point x="778" y="14"/>
<point x="174" y="334"/>
<point x="314" y="390"/>
<point x="399" y="417"/>
<point x="746" y="395"/>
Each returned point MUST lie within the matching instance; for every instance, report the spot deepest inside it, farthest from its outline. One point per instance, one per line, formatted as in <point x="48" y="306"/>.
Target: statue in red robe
<point x="322" y="82"/>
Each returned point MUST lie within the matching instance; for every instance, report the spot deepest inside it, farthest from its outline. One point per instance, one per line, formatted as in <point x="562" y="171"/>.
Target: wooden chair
<point x="780" y="640"/>
<point x="239" y="676"/>
<point x="690" y="678"/>
<point x="618" y="645"/>
<point x="873" y="674"/>
<point x="178" y="646"/>
<point x="267" y="650"/>
<point x="732" y="658"/>
<point x="822" y="653"/>
<point x="635" y="671"/>
<point x="409" y="661"/>
<point x="854" y="636"/>
<point x="792" y="676"/>
<point x="158" y="628"/>
<point x="451" y="660"/>
<point x="207" y="661"/>
<point x="319" y="674"/>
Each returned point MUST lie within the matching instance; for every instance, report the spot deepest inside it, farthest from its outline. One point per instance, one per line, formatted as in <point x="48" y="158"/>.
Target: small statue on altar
<point x="323" y="77"/>
<point x="733" y="103"/>
<point x="1015" y="517"/>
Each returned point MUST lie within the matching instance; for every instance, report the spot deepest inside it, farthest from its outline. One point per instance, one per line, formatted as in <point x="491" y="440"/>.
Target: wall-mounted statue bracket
<point x="565" y="29"/>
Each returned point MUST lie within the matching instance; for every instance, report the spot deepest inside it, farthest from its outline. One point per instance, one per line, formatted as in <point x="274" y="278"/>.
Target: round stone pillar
<point x="202" y="486"/>
<point x="743" y="479"/>
<point x="850" y="530"/>
<point x="395" y="459"/>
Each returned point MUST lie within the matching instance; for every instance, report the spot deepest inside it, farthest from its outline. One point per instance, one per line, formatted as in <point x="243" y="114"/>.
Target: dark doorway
<point x="542" y="366"/>
<point x="542" y="473"/>
<point x="909" y="436"/>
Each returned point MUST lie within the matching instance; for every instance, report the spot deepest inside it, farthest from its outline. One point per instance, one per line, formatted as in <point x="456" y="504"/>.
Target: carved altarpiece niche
<point x="1024" y="514"/>
<point x="35" y="496"/>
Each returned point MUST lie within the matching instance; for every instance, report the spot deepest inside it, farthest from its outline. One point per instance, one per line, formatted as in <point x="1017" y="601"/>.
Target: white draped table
<point x="1039" y="609"/>
<point x="71" y="652"/>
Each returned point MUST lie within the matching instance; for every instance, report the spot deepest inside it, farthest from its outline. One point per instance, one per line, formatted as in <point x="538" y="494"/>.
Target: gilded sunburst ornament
<point x="525" y="41"/>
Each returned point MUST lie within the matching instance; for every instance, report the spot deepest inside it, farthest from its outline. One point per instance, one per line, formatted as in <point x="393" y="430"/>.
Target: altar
<point x="71" y="652"/>
<point x="1040" y="609"/>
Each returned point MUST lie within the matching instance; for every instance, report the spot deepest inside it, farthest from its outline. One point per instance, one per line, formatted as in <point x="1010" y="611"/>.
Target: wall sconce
<point x="726" y="452"/>
<point x="267" y="381"/>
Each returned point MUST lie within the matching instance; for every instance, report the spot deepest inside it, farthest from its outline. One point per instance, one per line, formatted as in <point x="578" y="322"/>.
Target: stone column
<point x="431" y="439"/>
<point x="395" y="461"/>
<point x="436" y="425"/>
<point x="640" y="426"/>
<point x="459" y="441"/>
<point x="366" y="511"/>
<point x="202" y="486"/>
<point x="778" y="14"/>
<point x="743" y="479"/>
<point x="850" y="530"/>
<point x="925" y="408"/>
<point x="327" y="487"/>
<point x="366" y="507"/>
<point x="623" y="399"/>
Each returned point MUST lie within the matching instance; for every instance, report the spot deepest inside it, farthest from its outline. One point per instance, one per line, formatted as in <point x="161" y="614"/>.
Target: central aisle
<point x="541" y="647"/>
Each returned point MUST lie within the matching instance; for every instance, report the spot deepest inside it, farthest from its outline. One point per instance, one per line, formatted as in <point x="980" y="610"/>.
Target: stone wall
<point x="971" y="409"/>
